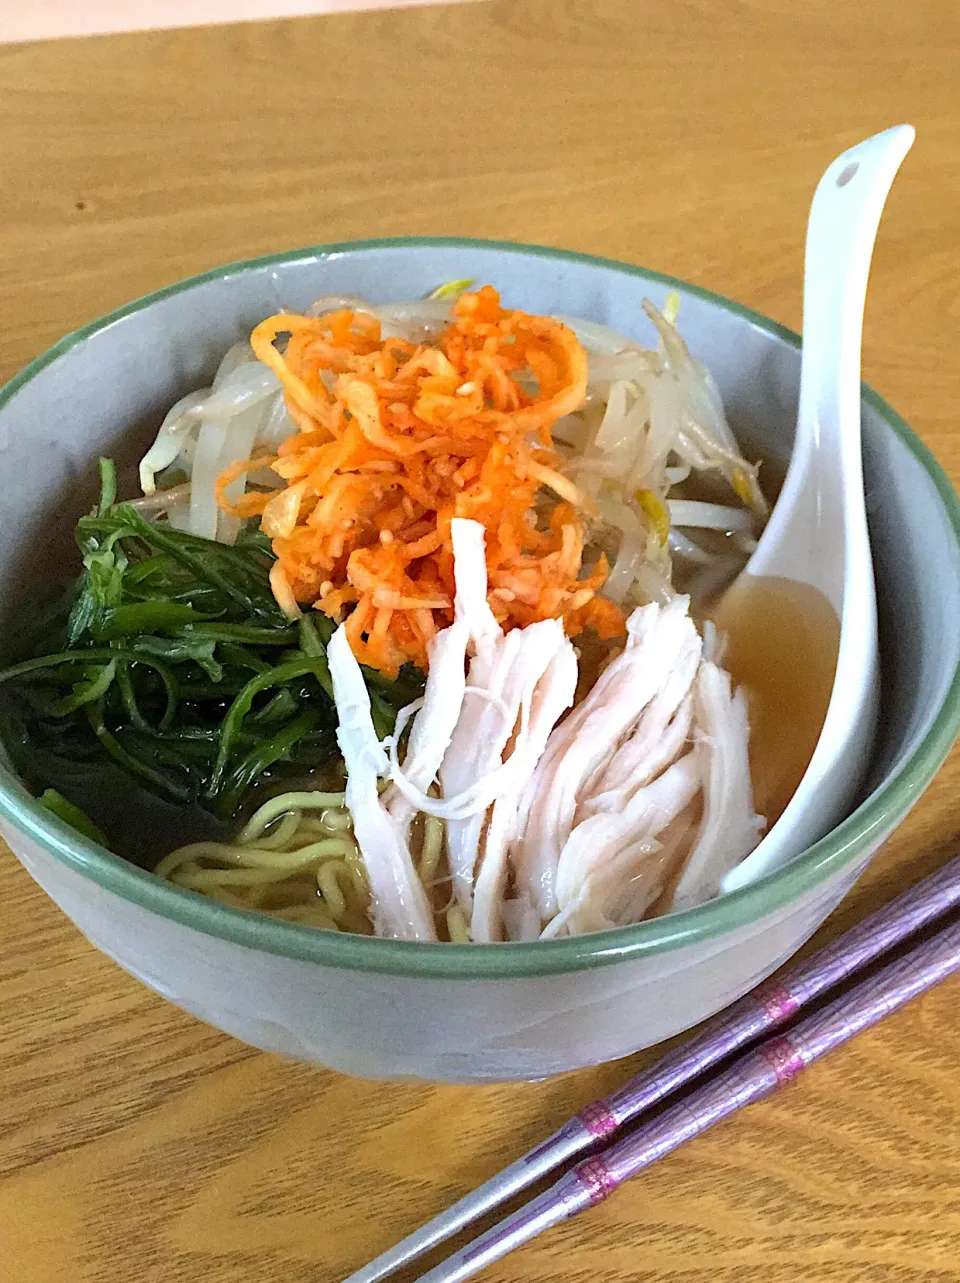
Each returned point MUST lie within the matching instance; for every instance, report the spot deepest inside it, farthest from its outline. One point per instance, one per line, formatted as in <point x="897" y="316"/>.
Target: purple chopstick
<point x="765" y="1009"/>
<point x="752" y="1076"/>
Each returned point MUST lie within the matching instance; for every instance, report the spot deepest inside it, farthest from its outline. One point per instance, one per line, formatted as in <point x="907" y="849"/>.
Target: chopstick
<point x="752" y="1076"/>
<point x="760" y="1012"/>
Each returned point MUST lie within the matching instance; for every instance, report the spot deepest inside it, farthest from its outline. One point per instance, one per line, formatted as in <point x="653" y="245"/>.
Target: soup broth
<point x="782" y="643"/>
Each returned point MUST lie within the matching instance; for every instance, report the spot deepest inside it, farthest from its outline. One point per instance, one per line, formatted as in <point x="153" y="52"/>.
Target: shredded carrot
<point x="395" y="441"/>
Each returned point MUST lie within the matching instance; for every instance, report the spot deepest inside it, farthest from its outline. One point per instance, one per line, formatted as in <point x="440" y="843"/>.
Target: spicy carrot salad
<point x="394" y="440"/>
<point x="400" y="636"/>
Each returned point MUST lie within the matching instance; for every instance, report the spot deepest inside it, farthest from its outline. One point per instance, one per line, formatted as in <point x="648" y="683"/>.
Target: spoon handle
<point x="841" y="233"/>
<point x="825" y="477"/>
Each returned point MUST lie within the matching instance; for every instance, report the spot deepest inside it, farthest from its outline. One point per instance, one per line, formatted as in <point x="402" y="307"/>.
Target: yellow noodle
<point x="432" y="849"/>
<point x="255" y="896"/>
<point x="284" y="802"/>
<point x="235" y="898"/>
<point x="313" y="827"/>
<point x="197" y="878"/>
<point x="328" y="880"/>
<point x="358" y="871"/>
<point x="457" y="925"/>
<point x="299" y="857"/>
<point x="307" y="834"/>
<point x="281" y="835"/>
<point x="311" y="915"/>
<point x="336" y="820"/>
<point x="352" y="881"/>
<point x="190" y="854"/>
<point x="296" y="859"/>
<point x="255" y="857"/>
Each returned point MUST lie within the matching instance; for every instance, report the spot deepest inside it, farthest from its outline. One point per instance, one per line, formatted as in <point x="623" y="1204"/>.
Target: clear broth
<point x="782" y="644"/>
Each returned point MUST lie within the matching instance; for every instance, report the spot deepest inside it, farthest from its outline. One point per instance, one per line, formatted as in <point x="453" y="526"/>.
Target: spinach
<point x="171" y="661"/>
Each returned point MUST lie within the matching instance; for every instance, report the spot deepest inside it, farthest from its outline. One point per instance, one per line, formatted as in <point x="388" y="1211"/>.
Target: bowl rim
<point x="833" y="853"/>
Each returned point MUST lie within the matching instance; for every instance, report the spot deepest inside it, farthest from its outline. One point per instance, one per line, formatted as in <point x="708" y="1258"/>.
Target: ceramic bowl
<point x="382" y="1008"/>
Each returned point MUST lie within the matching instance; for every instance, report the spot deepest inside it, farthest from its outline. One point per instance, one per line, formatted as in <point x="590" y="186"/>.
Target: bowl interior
<point x="104" y="390"/>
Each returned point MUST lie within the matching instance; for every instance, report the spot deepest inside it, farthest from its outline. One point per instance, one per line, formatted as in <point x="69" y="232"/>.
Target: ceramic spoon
<point x="816" y="538"/>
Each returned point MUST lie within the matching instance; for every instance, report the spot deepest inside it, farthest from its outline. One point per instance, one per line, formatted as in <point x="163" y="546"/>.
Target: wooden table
<point x="137" y="1144"/>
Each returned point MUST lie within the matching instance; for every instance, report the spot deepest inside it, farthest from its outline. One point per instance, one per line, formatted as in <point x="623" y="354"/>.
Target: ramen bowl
<point x="443" y="1012"/>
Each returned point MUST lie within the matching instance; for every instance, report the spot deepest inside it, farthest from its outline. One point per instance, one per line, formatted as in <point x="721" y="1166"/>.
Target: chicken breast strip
<point x="654" y="745"/>
<point x="435" y="720"/>
<point x="399" y="908"/>
<point x="603" y="837"/>
<point x="587" y="740"/>
<point x="730" y="827"/>
<point x="551" y="682"/>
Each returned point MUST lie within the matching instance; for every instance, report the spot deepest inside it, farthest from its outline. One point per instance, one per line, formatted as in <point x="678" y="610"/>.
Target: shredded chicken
<point x="556" y="822"/>
<point x="585" y="743"/>
<point x="399" y="908"/>
<point x="518" y="686"/>
<point x="730" y="827"/>
<point x="651" y="748"/>
<point x="603" y="837"/>
<point x="436" y="718"/>
<point x="552" y="673"/>
<point x="624" y="888"/>
<point x="476" y="741"/>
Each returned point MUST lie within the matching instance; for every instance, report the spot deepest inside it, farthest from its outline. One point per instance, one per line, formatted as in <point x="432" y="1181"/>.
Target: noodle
<point x="432" y="850"/>
<point x="288" y="803"/>
<point x="287" y="862"/>
<point x="457" y="925"/>
<point x="303" y="867"/>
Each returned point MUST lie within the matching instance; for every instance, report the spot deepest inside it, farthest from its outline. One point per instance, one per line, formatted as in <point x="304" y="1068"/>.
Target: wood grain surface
<point x="137" y="1144"/>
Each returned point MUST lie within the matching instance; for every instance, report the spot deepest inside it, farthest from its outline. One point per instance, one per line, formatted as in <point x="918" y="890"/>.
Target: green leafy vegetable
<point x="108" y="485"/>
<point x="96" y="683"/>
<point x="143" y="617"/>
<point x="171" y="664"/>
<point x="451" y="291"/>
<point x="71" y="815"/>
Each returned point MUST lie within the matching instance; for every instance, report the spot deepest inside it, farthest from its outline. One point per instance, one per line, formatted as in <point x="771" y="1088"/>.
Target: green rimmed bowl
<point x="382" y="1008"/>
